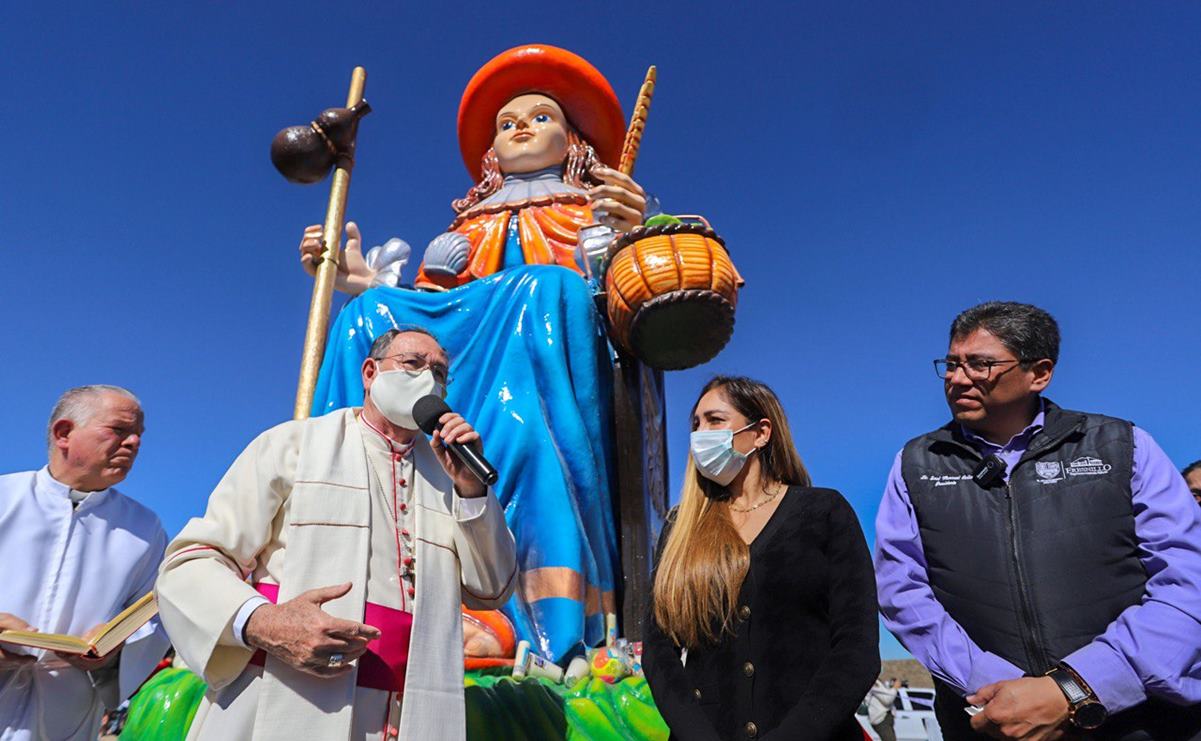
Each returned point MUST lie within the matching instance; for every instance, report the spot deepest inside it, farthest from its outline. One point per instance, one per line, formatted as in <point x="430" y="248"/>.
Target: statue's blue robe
<point x="532" y="371"/>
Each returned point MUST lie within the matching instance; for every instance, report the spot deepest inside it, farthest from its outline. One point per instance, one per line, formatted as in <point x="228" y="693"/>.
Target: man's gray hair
<point x="379" y="348"/>
<point x="79" y="404"/>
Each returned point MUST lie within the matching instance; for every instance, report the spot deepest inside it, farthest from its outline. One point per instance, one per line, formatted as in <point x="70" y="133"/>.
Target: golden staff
<point x="305" y="154"/>
<point x="642" y="108"/>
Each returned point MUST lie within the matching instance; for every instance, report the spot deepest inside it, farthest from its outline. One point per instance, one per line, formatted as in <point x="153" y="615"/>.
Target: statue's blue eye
<point x="542" y="118"/>
<point x="506" y="125"/>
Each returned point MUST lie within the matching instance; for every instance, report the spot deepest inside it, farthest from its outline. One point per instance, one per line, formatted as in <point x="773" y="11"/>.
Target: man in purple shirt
<point x="1192" y="476"/>
<point x="1041" y="563"/>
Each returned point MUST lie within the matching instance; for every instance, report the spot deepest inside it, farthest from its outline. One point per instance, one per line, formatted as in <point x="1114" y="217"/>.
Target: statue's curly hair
<point x="578" y="169"/>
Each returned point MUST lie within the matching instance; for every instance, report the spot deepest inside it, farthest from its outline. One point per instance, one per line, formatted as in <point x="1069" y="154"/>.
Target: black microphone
<point x="427" y="411"/>
<point x="990" y="472"/>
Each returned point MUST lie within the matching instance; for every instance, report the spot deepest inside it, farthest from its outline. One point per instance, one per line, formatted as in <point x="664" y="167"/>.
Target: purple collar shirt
<point x="1152" y="649"/>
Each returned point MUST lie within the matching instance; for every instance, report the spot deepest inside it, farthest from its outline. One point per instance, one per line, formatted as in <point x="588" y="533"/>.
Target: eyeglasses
<point x="415" y="362"/>
<point x="976" y="369"/>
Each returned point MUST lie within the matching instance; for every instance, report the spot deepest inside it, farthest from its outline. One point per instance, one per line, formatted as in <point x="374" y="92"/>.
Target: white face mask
<point x="395" y="392"/>
<point x="714" y="454"/>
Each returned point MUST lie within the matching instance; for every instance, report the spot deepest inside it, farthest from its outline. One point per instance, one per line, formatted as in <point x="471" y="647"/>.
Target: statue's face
<point x="531" y="134"/>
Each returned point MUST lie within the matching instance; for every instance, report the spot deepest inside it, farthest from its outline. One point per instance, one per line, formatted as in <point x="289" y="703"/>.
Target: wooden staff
<point x="629" y="153"/>
<point x="327" y="269"/>
<point x="642" y="108"/>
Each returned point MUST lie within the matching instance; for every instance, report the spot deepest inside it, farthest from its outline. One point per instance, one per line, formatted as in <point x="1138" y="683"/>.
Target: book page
<point x="49" y="641"/>
<point x="112" y="635"/>
<point x="117" y="630"/>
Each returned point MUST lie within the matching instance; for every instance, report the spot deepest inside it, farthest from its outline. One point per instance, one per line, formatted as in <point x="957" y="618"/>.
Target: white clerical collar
<point x="49" y="485"/>
<point x="380" y="440"/>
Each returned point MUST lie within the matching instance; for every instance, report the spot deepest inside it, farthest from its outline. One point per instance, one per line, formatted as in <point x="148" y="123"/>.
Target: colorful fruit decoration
<point x="608" y="664"/>
<point x="671" y="291"/>
<point x="662" y="220"/>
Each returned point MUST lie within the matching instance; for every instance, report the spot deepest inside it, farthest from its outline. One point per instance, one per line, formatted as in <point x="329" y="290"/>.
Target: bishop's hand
<point x="618" y="202"/>
<point x="304" y="636"/>
<point x="453" y="428"/>
<point x="354" y="276"/>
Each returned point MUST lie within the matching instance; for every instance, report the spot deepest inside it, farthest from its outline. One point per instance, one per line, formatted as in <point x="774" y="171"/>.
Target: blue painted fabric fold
<point x="531" y="371"/>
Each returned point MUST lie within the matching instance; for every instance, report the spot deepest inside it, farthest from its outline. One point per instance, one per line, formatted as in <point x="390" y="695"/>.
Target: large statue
<point x="537" y="126"/>
<point x="541" y="131"/>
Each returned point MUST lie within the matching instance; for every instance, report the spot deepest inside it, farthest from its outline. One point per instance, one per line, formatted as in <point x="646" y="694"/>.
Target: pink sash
<point x="383" y="666"/>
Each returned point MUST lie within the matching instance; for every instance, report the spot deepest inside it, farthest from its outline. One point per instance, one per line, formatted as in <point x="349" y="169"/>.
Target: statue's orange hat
<point x="579" y="88"/>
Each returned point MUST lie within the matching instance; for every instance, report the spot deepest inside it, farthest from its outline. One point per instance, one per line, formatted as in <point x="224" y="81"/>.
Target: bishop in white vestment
<point x="75" y="555"/>
<point x="359" y="502"/>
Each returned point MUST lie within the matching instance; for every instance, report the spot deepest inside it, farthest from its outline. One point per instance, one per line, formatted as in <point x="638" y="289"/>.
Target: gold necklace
<point x="755" y="507"/>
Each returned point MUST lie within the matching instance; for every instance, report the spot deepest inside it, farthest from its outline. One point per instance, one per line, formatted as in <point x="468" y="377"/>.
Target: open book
<point x="112" y="635"/>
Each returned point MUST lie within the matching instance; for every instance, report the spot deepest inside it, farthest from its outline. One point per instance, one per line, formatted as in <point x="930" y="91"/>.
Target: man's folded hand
<point x="1030" y="708"/>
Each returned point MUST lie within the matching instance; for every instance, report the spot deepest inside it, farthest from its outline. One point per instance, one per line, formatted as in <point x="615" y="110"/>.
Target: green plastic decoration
<point x="499" y="708"/>
<point x="163" y="708"/>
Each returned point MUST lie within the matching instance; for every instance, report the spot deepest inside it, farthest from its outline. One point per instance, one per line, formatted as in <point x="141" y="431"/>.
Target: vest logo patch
<point x="945" y="479"/>
<point x="1048" y="471"/>
<point x="1088" y="466"/>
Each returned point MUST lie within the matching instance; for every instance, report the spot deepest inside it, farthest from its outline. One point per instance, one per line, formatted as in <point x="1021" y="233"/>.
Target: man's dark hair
<point x="1026" y="331"/>
<point x="379" y="348"/>
<point x="1195" y="465"/>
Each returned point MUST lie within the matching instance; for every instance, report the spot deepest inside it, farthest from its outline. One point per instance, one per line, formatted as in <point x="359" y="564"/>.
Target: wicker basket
<point x="671" y="294"/>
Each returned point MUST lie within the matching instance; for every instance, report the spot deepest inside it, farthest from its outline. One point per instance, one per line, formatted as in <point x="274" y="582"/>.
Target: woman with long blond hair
<point x="763" y="622"/>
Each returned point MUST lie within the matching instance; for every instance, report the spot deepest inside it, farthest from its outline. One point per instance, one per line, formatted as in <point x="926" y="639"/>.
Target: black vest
<point x="1035" y="569"/>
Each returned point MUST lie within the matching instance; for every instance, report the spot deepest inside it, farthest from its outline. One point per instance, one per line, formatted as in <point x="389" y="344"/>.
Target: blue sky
<point x="874" y="168"/>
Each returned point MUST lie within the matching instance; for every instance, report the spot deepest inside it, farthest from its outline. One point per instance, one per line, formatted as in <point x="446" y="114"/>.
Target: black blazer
<point x="805" y="649"/>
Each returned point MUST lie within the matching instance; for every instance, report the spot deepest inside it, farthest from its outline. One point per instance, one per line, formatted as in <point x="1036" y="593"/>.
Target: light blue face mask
<point x="714" y="454"/>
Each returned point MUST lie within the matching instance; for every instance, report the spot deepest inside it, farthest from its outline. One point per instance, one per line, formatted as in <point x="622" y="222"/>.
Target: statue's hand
<point x="447" y="254"/>
<point x="619" y="202"/>
<point x="354" y="276"/>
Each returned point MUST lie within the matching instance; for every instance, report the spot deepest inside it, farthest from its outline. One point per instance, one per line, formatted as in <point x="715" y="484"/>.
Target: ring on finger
<point x="336" y="660"/>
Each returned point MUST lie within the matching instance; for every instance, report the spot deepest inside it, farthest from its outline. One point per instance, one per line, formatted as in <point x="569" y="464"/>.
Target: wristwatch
<point x="1085" y="711"/>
